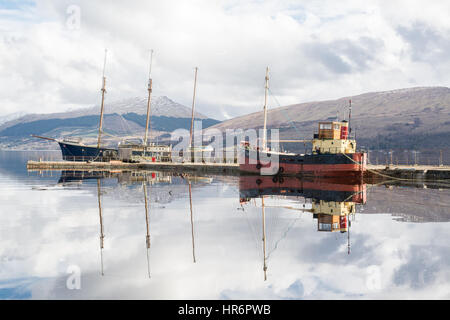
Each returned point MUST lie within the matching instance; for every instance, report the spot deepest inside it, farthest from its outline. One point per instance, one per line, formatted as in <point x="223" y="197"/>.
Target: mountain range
<point x="124" y="119"/>
<point x="405" y="118"/>
<point x="412" y="118"/>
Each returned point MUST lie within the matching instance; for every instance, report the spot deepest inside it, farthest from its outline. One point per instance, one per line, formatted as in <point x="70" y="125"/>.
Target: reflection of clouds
<point x="43" y="232"/>
<point x="425" y="264"/>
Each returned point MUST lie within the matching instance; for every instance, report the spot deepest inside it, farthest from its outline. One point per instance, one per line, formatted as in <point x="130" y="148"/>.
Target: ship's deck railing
<point x="87" y="158"/>
<point x="335" y="150"/>
<point x="205" y="159"/>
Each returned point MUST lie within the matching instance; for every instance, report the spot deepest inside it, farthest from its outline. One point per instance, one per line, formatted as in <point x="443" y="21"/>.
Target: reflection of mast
<point x="348" y="236"/>
<point x="147" y="238"/>
<point x="264" y="238"/>
<point x="192" y="222"/>
<point x="102" y="236"/>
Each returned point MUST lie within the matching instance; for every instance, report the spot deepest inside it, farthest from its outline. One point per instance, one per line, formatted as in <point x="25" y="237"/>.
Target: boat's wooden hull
<point x="78" y="152"/>
<point x="351" y="165"/>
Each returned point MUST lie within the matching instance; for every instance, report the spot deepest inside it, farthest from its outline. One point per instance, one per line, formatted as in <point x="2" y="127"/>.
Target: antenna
<point x="150" y="68"/>
<point x="104" y="62"/>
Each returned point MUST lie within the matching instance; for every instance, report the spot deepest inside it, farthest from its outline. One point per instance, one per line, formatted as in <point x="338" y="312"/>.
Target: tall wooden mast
<point x="102" y="105"/>
<point x="193" y="106"/>
<point x="148" y="123"/>
<point x="264" y="144"/>
<point x="350" y="117"/>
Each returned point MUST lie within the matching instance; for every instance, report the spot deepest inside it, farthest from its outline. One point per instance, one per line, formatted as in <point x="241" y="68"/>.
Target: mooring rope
<point x="391" y="177"/>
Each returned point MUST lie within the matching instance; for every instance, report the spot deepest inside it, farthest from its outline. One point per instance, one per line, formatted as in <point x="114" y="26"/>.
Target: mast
<point x="350" y="117"/>
<point x="192" y="222"/>
<point x="264" y="238"/>
<point x="193" y="105"/>
<point x="102" y="236"/>
<point x="264" y="145"/>
<point x="147" y="123"/>
<point x="102" y="105"/>
<point x="147" y="237"/>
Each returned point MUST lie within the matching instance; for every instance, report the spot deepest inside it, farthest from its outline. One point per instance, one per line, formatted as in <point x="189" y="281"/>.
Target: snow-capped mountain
<point x="11" y="116"/>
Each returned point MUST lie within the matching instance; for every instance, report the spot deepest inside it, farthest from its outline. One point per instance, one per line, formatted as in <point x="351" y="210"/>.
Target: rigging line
<point x="127" y="125"/>
<point x="276" y="222"/>
<point x="286" y="118"/>
<point x="368" y="187"/>
<point x="252" y="229"/>
<point x="284" y="235"/>
<point x="387" y="176"/>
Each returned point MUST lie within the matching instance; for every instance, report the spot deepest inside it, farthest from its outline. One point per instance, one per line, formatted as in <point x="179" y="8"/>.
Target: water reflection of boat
<point x="75" y="176"/>
<point x="102" y="236"/>
<point x="147" y="224"/>
<point x="323" y="189"/>
<point x="192" y="221"/>
<point x="198" y="179"/>
<point x="140" y="176"/>
<point x="123" y="177"/>
<point x="333" y="202"/>
<point x="147" y="221"/>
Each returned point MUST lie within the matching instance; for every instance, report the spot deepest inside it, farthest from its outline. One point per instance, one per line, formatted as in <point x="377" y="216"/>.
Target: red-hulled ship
<point x="333" y="153"/>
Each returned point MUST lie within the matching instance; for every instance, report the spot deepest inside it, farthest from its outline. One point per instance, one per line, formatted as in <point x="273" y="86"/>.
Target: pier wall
<point x="225" y="168"/>
<point x="373" y="174"/>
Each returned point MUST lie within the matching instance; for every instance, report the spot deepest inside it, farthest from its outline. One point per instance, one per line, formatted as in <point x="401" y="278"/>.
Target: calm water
<point x="52" y="225"/>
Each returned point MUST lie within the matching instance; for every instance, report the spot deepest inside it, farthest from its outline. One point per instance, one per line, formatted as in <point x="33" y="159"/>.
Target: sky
<point x="51" y="52"/>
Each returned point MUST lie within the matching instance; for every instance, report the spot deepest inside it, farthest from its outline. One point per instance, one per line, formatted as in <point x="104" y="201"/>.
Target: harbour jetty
<point x="374" y="172"/>
<point x="200" y="167"/>
<point x="407" y="172"/>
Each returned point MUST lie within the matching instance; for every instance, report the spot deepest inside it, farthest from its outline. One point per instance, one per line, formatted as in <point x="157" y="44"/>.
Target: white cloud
<point x="316" y="50"/>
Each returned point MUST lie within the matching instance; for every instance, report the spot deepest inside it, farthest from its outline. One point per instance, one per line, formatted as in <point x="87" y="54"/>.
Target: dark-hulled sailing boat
<point x="75" y="150"/>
